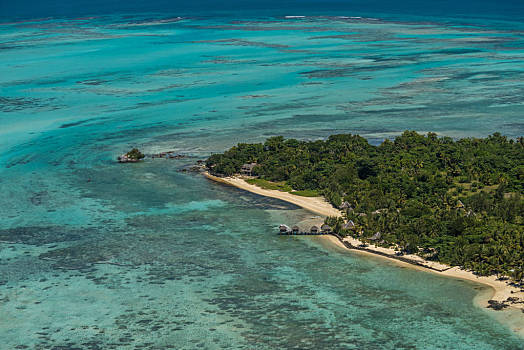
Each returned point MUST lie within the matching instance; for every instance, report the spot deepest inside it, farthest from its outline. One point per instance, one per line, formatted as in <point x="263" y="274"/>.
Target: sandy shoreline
<point x="317" y="205"/>
<point x="501" y="290"/>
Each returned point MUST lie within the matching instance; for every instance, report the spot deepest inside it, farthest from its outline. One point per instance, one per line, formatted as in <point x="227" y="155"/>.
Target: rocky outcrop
<point x="497" y="305"/>
<point x="132" y="156"/>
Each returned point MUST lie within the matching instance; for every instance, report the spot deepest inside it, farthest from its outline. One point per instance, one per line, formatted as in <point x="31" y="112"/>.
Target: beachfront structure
<point x="284" y="229"/>
<point x="350" y="225"/>
<point x="345" y="205"/>
<point x="247" y="169"/>
<point x="375" y="237"/>
<point x="325" y="229"/>
<point x="314" y="230"/>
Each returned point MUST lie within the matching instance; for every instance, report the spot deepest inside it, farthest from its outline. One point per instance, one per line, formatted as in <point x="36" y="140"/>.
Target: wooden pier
<point x="302" y="233"/>
<point x="285" y="230"/>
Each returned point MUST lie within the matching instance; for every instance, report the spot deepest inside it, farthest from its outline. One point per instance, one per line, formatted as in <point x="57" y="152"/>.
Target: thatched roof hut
<point x="284" y="229"/>
<point x="350" y="225"/>
<point x="325" y="228"/>
<point x="314" y="229"/>
<point x="376" y="236"/>
<point x="295" y="229"/>
<point x="247" y="169"/>
<point x="345" y="205"/>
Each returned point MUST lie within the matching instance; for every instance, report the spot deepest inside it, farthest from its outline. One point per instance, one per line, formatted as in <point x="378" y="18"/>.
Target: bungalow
<point x="350" y="225"/>
<point x="314" y="230"/>
<point x="247" y="169"/>
<point x="345" y="205"/>
<point x="295" y="230"/>
<point x="284" y="229"/>
<point x="325" y="229"/>
<point x="375" y="237"/>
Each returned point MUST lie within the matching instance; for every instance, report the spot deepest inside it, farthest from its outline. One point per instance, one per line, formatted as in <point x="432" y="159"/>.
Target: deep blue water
<point x="511" y="10"/>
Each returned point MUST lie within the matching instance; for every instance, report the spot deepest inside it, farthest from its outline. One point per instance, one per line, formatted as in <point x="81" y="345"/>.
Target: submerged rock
<point x="168" y="155"/>
<point x="497" y="305"/>
<point x="513" y="300"/>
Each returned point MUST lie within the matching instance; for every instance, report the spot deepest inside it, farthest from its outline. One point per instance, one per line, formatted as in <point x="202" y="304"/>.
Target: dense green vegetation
<point x="135" y="154"/>
<point x="306" y="193"/>
<point x="268" y="185"/>
<point x="458" y="202"/>
<point x="281" y="186"/>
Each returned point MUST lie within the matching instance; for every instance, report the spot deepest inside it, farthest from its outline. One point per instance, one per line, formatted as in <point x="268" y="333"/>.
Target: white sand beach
<point x="316" y="205"/>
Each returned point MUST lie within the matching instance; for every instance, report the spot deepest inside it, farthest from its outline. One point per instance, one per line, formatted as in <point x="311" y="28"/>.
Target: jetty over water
<point x="296" y="231"/>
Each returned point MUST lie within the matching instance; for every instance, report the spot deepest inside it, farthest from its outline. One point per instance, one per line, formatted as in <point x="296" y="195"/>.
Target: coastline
<point x="317" y="205"/>
<point x="500" y="289"/>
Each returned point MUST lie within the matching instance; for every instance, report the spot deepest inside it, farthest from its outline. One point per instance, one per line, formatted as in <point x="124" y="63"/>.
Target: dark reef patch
<point x="68" y="125"/>
<point x="39" y="235"/>
<point x="38" y="197"/>
<point x="17" y="104"/>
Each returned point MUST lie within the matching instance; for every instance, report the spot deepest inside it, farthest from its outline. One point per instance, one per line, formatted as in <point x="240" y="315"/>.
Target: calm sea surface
<point x="97" y="255"/>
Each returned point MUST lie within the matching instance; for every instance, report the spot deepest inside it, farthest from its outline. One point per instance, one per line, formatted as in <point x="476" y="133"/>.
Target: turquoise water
<point x="99" y="255"/>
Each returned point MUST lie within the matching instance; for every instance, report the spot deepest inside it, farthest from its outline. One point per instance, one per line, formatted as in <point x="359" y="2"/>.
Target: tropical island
<point x="132" y="156"/>
<point x="455" y="202"/>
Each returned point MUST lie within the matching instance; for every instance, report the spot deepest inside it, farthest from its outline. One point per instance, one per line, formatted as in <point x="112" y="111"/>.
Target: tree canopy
<point x="135" y="154"/>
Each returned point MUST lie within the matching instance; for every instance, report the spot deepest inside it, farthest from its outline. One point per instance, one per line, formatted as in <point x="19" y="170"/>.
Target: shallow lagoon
<point x="100" y="255"/>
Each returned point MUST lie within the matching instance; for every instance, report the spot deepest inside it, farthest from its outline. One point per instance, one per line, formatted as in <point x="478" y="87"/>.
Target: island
<point x="455" y="206"/>
<point x="132" y="156"/>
